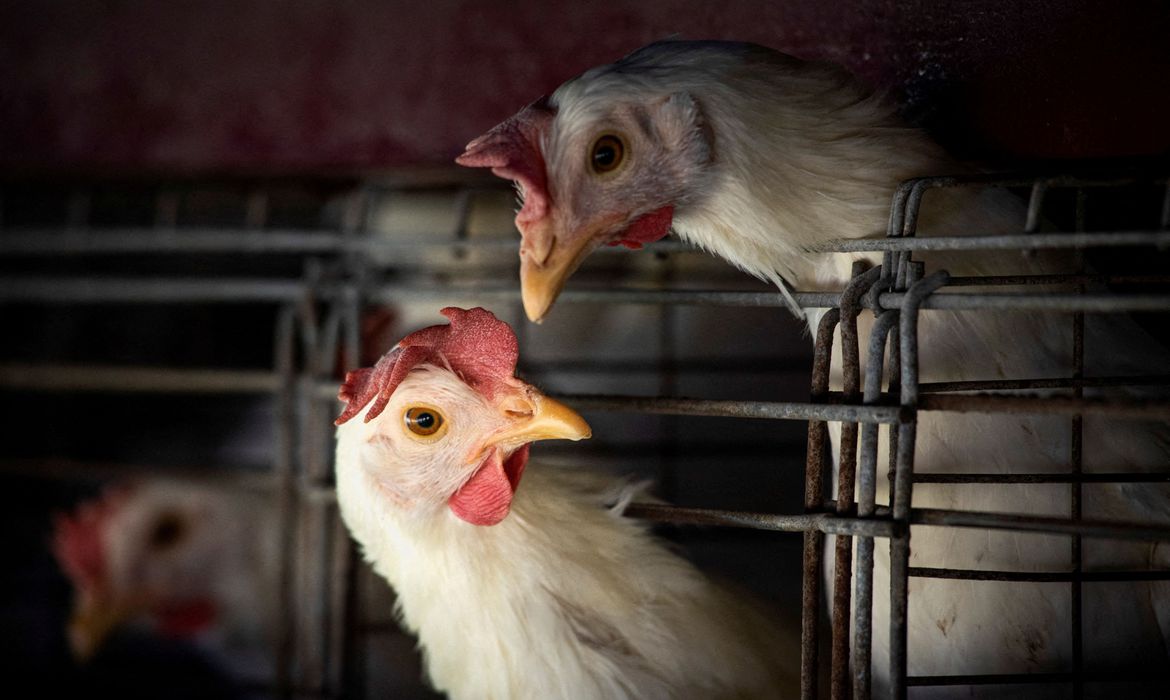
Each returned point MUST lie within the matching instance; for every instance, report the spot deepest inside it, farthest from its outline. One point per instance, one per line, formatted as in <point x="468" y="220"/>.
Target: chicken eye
<point x="423" y="421"/>
<point x="607" y="153"/>
<point x="168" y="530"/>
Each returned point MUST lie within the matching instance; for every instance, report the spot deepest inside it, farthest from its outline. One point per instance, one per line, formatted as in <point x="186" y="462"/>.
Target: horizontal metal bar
<point x="131" y="290"/>
<point x="56" y="241"/>
<point x="1030" y="523"/>
<point x="216" y="476"/>
<point x="76" y="470"/>
<point x="22" y="376"/>
<point x="1023" y="241"/>
<point x="1033" y="405"/>
<point x="226" y="290"/>
<point x="1053" y="405"/>
<point x="821" y="522"/>
<point x="1050" y="383"/>
<point x="775" y="410"/>
<point x="1029" y="179"/>
<point x="1133" y="675"/>
<point x="24" y="241"/>
<point x="771" y="410"/>
<point x="1039" y="576"/>
<point x="38" y="377"/>
<point x="1045" y="280"/>
<point x="577" y="295"/>
<point x="729" y="365"/>
<point x="1062" y="478"/>
<point x="882" y="526"/>
<point x="1091" y="303"/>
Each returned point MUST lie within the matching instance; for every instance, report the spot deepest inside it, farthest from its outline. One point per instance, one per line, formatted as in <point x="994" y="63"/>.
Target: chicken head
<point x="445" y="423"/>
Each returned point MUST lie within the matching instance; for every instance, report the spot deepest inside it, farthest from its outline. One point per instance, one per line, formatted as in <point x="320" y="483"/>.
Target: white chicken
<point x="758" y="157"/>
<point x="183" y="561"/>
<point x="541" y="592"/>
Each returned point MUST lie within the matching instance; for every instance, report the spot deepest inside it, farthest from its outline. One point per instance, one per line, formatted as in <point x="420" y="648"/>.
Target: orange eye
<point x="423" y="420"/>
<point x="607" y="153"/>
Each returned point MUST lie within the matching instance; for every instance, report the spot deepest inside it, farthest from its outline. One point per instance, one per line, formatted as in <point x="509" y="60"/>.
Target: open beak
<point x="547" y="420"/>
<point x="549" y="255"/>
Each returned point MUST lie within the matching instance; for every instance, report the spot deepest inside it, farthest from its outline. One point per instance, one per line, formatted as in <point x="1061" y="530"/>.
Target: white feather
<point x="800" y="155"/>
<point x="564" y="598"/>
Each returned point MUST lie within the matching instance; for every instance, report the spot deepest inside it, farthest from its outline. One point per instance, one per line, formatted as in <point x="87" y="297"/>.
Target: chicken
<point x="541" y="592"/>
<point x="758" y="157"/>
<point x="184" y="561"/>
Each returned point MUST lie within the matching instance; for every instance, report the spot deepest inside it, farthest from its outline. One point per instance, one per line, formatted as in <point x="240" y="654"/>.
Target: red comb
<point x="479" y="347"/>
<point x="512" y="150"/>
<point x="78" y="541"/>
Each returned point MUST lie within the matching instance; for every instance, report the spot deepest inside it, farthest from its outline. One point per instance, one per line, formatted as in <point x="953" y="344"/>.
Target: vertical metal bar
<point x="913" y="206"/>
<point x="1075" y="466"/>
<point x="350" y="653"/>
<point x="1035" y="206"/>
<point x="866" y="506"/>
<point x="818" y="437"/>
<point x="339" y="570"/>
<point x="1165" y="222"/>
<point x="900" y="543"/>
<point x="285" y="455"/>
<point x="846" y="474"/>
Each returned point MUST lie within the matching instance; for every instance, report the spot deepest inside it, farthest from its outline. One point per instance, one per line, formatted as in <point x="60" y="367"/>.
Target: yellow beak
<point x="548" y="257"/>
<point x="548" y="420"/>
<point x="92" y="622"/>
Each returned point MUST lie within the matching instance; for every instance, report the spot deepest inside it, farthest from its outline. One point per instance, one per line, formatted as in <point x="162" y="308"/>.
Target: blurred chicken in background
<point x="175" y="561"/>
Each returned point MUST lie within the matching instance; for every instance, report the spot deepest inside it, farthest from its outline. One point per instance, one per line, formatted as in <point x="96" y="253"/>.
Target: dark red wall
<point x="305" y="86"/>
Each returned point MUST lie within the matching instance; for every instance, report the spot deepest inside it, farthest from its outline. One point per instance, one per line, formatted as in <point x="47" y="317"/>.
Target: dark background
<point x="311" y="86"/>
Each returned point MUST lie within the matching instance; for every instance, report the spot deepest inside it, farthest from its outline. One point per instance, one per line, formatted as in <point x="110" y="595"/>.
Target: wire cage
<point x="302" y="272"/>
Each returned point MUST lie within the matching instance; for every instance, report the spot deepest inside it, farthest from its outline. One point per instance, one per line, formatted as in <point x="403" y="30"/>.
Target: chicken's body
<point x="566" y="598"/>
<point x="554" y="595"/>
<point x="758" y="158"/>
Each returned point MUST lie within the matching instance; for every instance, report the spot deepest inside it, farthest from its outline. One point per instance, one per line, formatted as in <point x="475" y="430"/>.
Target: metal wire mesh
<point x="320" y="316"/>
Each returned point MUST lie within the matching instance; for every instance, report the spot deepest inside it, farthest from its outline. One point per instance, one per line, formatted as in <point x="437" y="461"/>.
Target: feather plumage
<point x="762" y="158"/>
<point x="560" y="598"/>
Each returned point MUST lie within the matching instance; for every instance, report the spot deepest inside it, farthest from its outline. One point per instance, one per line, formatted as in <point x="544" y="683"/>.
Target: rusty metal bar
<point x="814" y="540"/>
<point x="1040" y="576"/>
<point x="1024" y="241"/>
<point x="866" y="506"/>
<point x="1056" y="478"/>
<point x="1050" y="280"/>
<point x="1141" y="409"/>
<point x="901" y="496"/>
<point x="1053" y="383"/>
<point x="808" y="522"/>
<point x="771" y="410"/>
<point x="1133" y="676"/>
<point x="1029" y="523"/>
<point x="858" y="285"/>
